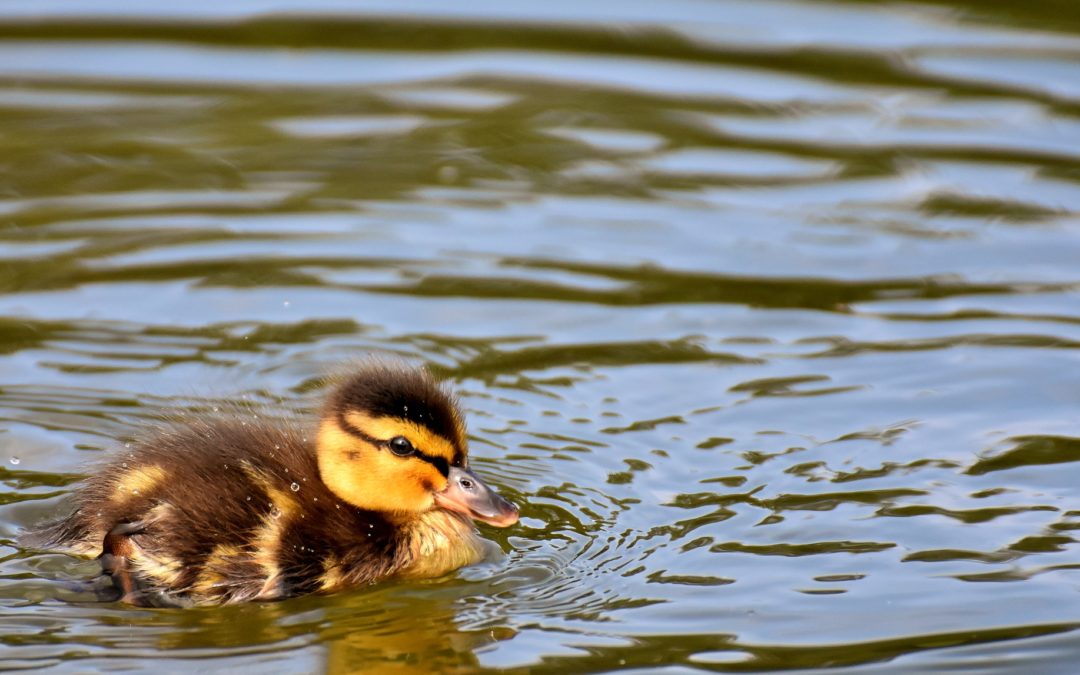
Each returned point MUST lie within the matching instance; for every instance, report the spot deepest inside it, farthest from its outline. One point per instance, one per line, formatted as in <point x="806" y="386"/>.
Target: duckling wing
<point x="212" y="501"/>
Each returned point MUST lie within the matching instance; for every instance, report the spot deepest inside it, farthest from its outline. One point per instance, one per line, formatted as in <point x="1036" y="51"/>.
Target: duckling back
<point x="225" y="511"/>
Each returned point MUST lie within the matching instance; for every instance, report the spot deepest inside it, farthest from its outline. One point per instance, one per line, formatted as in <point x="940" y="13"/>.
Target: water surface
<point x="766" y="313"/>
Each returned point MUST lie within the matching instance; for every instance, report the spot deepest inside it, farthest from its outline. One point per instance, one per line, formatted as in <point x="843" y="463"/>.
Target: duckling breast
<point x="439" y="542"/>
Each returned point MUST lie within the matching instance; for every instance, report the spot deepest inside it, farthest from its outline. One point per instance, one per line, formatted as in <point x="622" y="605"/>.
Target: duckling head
<point x="392" y="440"/>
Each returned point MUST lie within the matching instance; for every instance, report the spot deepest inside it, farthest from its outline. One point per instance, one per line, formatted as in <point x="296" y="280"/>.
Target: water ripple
<point x="768" y="326"/>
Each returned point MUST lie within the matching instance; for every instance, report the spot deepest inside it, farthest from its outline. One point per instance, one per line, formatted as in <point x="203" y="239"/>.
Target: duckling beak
<point x="467" y="494"/>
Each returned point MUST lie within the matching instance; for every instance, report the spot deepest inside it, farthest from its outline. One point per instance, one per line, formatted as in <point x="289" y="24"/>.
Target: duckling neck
<point x="438" y="542"/>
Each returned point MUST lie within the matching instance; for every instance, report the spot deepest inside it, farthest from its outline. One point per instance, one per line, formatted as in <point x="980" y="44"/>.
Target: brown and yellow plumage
<point x="221" y="510"/>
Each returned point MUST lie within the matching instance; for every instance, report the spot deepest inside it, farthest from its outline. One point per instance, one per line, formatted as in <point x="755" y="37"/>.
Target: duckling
<point x="217" y="510"/>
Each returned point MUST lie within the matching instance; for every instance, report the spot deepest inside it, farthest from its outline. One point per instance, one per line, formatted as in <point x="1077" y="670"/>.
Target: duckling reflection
<point x="413" y="633"/>
<point x="219" y="510"/>
<point x="386" y="629"/>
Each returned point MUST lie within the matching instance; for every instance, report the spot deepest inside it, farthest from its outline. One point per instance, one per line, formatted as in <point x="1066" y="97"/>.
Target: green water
<point x="766" y="313"/>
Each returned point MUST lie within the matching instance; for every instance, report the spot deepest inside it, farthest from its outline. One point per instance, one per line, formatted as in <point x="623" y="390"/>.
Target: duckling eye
<point x="400" y="446"/>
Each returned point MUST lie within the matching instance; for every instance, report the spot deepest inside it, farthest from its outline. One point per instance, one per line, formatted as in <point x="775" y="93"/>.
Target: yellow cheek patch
<point x="138" y="481"/>
<point x="374" y="479"/>
<point x="423" y="473"/>
<point x="385" y="428"/>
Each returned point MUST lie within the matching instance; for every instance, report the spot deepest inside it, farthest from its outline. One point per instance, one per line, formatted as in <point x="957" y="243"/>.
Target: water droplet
<point x="275" y="514"/>
<point x="447" y="173"/>
<point x="134" y="492"/>
<point x="124" y="465"/>
<point x="295" y="487"/>
<point x="405" y="408"/>
<point x="226" y="466"/>
<point x="286" y="303"/>
<point x="277" y="447"/>
<point x="315" y="499"/>
<point x="127" y="445"/>
<point x="217" y="409"/>
<point x="248" y="498"/>
<point x="15" y="460"/>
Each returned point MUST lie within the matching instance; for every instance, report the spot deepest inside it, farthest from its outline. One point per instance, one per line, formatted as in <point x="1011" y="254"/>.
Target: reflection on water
<point x="770" y="326"/>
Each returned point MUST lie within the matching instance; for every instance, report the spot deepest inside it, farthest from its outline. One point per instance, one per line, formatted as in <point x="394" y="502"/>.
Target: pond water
<point x="766" y="313"/>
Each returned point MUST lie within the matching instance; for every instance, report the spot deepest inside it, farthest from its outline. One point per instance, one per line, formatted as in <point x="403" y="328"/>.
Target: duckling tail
<point x="69" y="533"/>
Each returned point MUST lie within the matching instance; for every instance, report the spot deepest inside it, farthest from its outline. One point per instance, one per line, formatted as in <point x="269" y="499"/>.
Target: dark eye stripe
<point x="440" y="463"/>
